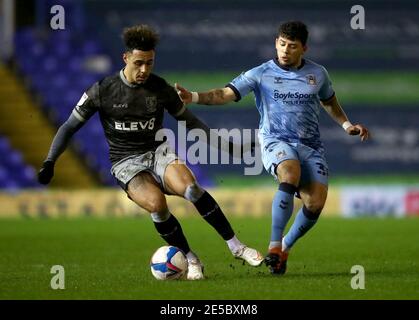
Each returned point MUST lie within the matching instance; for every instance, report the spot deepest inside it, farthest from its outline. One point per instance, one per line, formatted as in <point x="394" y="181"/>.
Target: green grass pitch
<point x="109" y="259"/>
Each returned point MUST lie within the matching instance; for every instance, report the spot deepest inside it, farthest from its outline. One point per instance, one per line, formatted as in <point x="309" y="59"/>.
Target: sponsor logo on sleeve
<point x="83" y="98"/>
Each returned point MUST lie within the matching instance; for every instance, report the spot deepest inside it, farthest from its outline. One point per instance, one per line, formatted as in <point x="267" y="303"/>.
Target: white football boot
<point x="195" y="269"/>
<point x="251" y="256"/>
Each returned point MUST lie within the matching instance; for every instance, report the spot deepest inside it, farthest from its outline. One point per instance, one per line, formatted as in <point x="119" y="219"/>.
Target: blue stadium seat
<point x="61" y="49"/>
<point x="14" y="172"/>
<point x="49" y="64"/>
<point x="91" y="47"/>
<point x="74" y="64"/>
<point x="4" y="145"/>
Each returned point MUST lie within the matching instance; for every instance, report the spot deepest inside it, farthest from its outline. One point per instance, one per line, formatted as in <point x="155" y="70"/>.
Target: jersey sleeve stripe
<point x="182" y="110"/>
<point x="236" y="92"/>
<point x="78" y="116"/>
<point x="324" y="100"/>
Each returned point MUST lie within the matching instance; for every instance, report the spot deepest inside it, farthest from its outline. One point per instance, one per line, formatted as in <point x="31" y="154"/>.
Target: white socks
<point x="234" y="244"/>
<point x="279" y="244"/>
<point x="284" y="246"/>
<point x="160" y="217"/>
<point x="192" y="257"/>
<point x="275" y="244"/>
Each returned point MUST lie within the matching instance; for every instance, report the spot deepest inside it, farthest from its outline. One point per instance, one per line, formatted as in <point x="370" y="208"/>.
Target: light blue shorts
<point x="313" y="164"/>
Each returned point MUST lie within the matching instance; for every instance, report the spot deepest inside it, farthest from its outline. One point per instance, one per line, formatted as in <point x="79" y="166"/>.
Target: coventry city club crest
<point x="277" y="80"/>
<point x="151" y="103"/>
<point x="311" y="79"/>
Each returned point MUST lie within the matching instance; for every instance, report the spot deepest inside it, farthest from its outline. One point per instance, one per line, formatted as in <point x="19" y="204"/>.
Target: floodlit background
<point x="205" y="44"/>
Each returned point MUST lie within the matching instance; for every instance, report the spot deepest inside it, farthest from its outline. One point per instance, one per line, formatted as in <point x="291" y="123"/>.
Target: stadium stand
<point x="14" y="172"/>
<point x="29" y="134"/>
<point x="59" y="67"/>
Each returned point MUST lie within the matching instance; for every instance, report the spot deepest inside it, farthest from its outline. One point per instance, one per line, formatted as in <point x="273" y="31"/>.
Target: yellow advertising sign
<point x="114" y="203"/>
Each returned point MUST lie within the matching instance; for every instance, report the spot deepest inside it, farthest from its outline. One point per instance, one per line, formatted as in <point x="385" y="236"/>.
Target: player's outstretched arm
<point x="212" y="97"/>
<point x="59" y="144"/>
<point x="334" y="109"/>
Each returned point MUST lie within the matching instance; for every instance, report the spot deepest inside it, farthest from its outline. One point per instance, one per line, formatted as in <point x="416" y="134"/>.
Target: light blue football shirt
<point x="288" y="100"/>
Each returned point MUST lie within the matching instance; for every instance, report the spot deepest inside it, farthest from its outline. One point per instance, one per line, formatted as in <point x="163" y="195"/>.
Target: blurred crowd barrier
<point x="114" y="203"/>
<point x="381" y="201"/>
<point x="354" y="201"/>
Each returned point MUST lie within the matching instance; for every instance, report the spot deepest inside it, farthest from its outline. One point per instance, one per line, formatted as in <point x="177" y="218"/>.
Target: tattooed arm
<point x="212" y="97"/>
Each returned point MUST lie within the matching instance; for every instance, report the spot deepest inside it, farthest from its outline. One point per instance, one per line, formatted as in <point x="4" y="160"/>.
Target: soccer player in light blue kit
<point x="289" y="93"/>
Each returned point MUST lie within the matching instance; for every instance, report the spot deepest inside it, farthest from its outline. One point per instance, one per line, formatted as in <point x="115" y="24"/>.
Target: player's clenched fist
<point x="358" y="130"/>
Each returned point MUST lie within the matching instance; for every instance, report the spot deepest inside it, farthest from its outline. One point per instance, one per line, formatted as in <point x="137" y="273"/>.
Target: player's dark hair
<point x="294" y="30"/>
<point x="140" y="37"/>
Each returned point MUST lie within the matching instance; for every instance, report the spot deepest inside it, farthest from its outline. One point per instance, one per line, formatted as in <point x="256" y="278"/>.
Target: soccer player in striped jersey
<point x="289" y="94"/>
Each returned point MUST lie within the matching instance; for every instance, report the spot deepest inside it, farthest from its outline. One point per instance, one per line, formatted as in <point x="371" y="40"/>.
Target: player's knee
<point x="193" y="192"/>
<point x="289" y="172"/>
<point x="156" y="203"/>
<point x="313" y="209"/>
<point x="289" y="178"/>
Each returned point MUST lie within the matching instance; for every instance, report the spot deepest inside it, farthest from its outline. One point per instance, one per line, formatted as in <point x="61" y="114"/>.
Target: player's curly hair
<point x="294" y="30"/>
<point x="140" y="37"/>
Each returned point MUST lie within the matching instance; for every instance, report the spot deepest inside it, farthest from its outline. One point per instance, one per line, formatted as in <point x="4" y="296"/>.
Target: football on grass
<point x="168" y="263"/>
